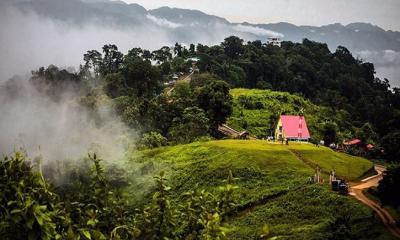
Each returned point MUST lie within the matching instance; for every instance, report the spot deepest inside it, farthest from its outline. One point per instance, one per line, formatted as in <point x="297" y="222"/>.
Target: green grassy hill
<point x="258" y="111"/>
<point x="272" y="180"/>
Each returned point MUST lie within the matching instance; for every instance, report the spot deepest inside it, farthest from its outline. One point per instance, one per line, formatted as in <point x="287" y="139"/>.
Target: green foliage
<point x="390" y="144"/>
<point x="198" y="217"/>
<point x="153" y="140"/>
<point x="111" y="61"/>
<point x="162" y="55"/>
<point x="233" y="47"/>
<point x="114" y="85"/>
<point x="90" y="206"/>
<point x="330" y="130"/>
<point x="367" y="134"/>
<point x="191" y="126"/>
<point x="214" y="98"/>
<point x="341" y="226"/>
<point x="388" y="186"/>
<point x="28" y="210"/>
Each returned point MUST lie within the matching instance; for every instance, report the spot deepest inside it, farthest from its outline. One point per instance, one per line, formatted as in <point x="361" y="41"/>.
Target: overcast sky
<point x="384" y="13"/>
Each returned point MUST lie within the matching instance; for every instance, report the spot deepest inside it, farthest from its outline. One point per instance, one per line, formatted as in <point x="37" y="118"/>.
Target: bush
<point x="153" y="140"/>
<point x="27" y="207"/>
<point x="193" y="125"/>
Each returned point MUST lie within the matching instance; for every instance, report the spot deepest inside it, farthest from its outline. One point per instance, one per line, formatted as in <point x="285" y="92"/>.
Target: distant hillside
<point x="258" y="111"/>
<point x="186" y="16"/>
<point x="272" y="182"/>
<point x="355" y="36"/>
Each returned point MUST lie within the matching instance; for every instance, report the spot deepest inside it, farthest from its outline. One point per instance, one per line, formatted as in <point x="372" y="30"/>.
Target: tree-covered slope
<point x="273" y="185"/>
<point x="258" y="111"/>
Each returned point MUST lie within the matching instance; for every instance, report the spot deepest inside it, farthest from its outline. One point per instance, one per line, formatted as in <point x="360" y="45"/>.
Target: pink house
<point x="292" y="128"/>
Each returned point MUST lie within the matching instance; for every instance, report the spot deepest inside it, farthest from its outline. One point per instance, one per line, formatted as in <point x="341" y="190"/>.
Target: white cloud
<point x="163" y="22"/>
<point x="380" y="58"/>
<point x="257" y="31"/>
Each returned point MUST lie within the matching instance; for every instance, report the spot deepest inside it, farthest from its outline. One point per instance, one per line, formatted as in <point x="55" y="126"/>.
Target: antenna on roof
<point x="301" y="112"/>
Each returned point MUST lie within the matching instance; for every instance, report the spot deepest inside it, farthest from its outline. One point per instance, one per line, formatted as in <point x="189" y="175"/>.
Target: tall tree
<point x="233" y="47"/>
<point x="112" y="59"/>
<point x="215" y="100"/>
<point x="93" y="60"/>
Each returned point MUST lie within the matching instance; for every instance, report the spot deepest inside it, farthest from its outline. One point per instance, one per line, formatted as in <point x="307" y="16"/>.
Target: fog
<point x="28" y="41"/>
<point x="57" y="130"/>
<point x="387" y="64"/>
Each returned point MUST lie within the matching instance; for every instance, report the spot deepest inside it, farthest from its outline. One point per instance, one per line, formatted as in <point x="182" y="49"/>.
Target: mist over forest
<point x="40" y="33"/>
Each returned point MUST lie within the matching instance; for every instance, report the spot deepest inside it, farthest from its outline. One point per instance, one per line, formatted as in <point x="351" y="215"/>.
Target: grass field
<point x="295" y="209"/>
<point x="346" y="166"/>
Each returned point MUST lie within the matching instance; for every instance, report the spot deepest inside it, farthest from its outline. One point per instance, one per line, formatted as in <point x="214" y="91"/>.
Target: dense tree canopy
<point x="389" y="185"/>
<point x="335" y="80"/>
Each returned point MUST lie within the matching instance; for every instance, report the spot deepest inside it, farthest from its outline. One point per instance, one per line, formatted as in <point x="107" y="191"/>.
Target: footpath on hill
<point x="356" y="191"/>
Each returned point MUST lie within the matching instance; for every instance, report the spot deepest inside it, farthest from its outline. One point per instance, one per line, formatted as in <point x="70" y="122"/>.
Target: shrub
<point x="192" y="125"/>
<point x="153" y="140"/>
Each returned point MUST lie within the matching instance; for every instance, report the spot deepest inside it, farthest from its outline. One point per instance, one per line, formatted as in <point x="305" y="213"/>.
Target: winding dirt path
<point x="356" y="190"/>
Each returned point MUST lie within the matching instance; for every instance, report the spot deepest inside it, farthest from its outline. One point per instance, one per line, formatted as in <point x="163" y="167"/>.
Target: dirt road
<point x="356" y="191"/>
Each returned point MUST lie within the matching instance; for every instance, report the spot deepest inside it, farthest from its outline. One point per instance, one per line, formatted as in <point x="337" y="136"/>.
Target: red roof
<point x="295" y="127"/>
<point x="353" y="142"/>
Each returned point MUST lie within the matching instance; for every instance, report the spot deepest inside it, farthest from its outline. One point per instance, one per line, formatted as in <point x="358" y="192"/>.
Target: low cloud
<point x="257" y="31"/>
<point x="58" y="130"/>
<point x="387" y="64"/>
<point x="380" y="58"/>
<point x="163" y="22"/>
<point x="29" y="41"/>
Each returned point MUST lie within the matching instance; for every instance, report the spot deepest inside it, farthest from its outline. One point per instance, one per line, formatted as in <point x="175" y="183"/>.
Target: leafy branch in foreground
<point x="92" y="208"/>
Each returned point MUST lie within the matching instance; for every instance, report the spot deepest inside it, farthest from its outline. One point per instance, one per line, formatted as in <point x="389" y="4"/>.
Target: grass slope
<point x="257" y="111"/>
<point x="346" y="166"/>
<point x="294" y="209"/>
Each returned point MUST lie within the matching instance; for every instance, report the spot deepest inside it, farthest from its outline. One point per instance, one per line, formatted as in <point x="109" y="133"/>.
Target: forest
<point x="337" y="80"/>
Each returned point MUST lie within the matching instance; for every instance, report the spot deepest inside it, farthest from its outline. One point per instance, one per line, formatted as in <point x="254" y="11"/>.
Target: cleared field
<point x="346" y="166"/>
<point x="261" y="168"/>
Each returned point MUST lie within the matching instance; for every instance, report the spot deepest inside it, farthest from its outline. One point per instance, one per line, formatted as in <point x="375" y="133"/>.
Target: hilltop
<point x="272" y="182"/>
